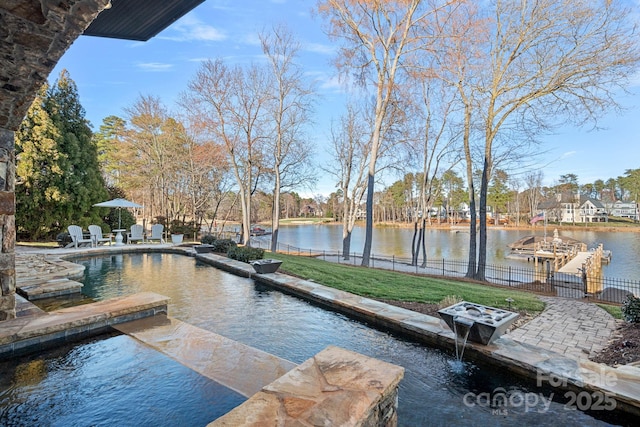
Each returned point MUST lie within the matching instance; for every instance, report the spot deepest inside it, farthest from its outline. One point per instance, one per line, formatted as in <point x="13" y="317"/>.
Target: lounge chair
<point x="156" y="233"/>
<point x="77" y="239"/>
<point x="98" y="236"/>
<point x="136" y="234"/>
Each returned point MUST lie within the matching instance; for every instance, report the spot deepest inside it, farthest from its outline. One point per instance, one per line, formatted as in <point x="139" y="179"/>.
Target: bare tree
<point x="533" y="182"/>
<point x="290" y="109"/>
<point x="232" y="103"/>
<point x="377" y="37"/>
<point x="350" y="149"/>
<point x="433" y="139"/>
<point x="549" y="61"/>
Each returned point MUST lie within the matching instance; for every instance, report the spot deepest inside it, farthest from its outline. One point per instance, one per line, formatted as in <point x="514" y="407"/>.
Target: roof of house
<point x="597" y="203"/>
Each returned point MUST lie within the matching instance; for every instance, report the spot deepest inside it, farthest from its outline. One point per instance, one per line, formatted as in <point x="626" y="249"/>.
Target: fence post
<point x="509" y="275"/>
<point x="442" y="266"/>
<point x="373" y="261"/>
<point x="393" y="262"/>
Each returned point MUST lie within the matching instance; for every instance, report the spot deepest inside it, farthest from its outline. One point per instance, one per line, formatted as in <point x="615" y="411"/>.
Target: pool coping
<point x="27" y="334"/>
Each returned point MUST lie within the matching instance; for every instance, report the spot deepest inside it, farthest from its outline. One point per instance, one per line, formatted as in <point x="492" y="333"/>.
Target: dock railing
<point x="542" y="278"/>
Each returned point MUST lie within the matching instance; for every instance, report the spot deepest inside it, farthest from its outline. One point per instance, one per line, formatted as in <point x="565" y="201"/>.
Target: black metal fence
<point x="542" y="279"/>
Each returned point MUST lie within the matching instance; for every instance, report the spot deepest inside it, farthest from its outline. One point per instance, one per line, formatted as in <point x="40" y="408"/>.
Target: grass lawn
<point x="613" y="310"/>
<point x="391" y="285"/>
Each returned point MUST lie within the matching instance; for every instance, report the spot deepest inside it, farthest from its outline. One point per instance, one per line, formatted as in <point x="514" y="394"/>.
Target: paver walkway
<point x="574" y="328"/>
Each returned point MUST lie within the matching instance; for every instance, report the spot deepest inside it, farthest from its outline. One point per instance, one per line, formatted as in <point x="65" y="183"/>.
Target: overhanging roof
<point x="138" y="19"/>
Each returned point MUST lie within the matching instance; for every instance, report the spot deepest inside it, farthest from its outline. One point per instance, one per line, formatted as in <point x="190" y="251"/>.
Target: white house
<point x="623" y="209"/>
<point x="591" y="210"/>
<point x="573" y="209"/>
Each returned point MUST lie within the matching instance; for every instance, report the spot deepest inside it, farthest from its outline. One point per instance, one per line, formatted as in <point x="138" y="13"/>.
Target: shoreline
<point x="534" y="229"/>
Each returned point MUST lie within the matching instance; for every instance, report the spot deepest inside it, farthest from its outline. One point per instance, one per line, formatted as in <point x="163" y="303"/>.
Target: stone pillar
<point x="7" y="226"/>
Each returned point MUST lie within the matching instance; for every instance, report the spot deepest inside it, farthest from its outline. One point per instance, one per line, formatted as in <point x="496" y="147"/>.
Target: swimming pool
<point x="432" y="393"/>
<point x="108" y="381"/>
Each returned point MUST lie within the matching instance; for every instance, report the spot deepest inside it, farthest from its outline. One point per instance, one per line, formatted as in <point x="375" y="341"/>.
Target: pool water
<point x="108" y="381"/>
<point x="435" y="391"/>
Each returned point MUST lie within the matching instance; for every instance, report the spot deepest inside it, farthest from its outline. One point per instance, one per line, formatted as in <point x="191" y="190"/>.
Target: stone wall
<point x="7" y="226"/>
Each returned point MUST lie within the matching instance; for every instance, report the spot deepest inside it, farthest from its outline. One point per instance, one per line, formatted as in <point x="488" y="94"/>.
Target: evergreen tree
<point x="57" y="166"/>
<point x="108" y="141"/>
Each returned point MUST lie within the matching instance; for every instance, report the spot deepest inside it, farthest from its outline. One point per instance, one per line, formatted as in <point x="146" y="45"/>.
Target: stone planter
<point x="263" y="266"/>
<point x="176" y="239"/>
<point x="203" y="248"/>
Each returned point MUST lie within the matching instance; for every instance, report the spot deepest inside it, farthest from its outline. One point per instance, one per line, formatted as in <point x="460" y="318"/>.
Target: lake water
<point x="454" y="245"/>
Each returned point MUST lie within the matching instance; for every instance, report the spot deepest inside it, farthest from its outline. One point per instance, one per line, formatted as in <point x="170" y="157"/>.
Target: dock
<point x="588" y="265"/>
<point x="567" y="256"/>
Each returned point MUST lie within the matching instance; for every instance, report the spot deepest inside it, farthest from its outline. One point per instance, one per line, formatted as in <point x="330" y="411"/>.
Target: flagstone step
<point x="50" y="288"/>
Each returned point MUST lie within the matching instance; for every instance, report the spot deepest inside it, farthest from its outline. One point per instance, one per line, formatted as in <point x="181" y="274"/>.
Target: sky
<point x="112" y="74"/>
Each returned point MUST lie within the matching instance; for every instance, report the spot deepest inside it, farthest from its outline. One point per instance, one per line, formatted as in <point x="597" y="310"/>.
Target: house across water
<point x="573" y="208"/>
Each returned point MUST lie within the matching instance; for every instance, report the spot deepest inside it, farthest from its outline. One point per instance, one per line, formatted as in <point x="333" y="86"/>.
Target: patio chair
<point x="98" y="236"/>
<point x="77" y="238"/>
<point x="136" y="234"/>
<point x="156" y="233"/>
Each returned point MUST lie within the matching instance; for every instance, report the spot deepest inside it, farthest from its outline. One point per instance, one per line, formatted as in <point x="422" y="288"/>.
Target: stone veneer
<point x="33" y="36"/>
<point x="7" y="226"/>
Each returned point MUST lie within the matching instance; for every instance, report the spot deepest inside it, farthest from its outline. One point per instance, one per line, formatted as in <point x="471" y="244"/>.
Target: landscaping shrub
<point x="245" y="253"/>
<point x="185" y="228"/>
<point x="63" y="239"/>
<point x="223" y="245"/>
<point x="631" y="309"/>
<point x="208" y="239"/>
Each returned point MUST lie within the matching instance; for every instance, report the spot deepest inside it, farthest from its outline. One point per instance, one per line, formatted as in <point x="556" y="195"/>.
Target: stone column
<point x="7" y="226"/>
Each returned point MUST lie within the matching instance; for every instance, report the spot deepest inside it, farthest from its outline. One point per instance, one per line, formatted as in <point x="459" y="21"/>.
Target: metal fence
<point x="541" y="280"/>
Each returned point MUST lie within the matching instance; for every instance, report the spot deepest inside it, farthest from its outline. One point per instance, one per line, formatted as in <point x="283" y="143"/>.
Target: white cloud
<point x="319" y="48"/>
<point x="568" y="154"/>
<point x="154" y="66"/>
<point x="190" y="28"/>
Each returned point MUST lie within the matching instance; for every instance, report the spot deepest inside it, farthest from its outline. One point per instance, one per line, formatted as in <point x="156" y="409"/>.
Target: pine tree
<point x="57" y="165"/>
<point x="108" y="141"/>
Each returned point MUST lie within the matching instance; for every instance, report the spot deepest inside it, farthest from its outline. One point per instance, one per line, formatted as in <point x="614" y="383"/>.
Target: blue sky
<point x="111" y="74"/>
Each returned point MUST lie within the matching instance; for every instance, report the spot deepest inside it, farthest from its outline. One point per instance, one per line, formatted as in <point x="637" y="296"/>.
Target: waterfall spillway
<point x="461" y="328"/>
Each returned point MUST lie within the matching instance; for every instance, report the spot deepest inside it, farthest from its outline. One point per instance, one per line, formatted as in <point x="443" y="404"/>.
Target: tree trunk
<point x="366" y="252"/>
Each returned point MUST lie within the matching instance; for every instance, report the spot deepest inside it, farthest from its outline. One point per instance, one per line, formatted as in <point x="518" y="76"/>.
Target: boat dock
<point x="566" y="256"/>
<point x="588" y="265"/>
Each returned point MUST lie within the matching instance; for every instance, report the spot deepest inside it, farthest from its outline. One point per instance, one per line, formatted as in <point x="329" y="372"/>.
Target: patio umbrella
<point x="118" y="204"/>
